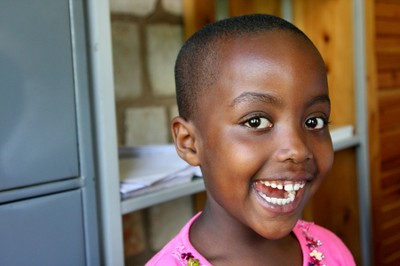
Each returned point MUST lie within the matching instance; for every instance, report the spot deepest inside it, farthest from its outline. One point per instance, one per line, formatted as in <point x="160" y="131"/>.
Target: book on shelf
<point x="147" y="169"/>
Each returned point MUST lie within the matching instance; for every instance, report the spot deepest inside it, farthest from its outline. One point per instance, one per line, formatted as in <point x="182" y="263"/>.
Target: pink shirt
<point x="319" y="247"/>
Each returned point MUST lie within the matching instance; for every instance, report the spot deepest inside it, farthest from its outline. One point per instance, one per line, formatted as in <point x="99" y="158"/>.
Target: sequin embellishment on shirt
<point x="316" y="256"/>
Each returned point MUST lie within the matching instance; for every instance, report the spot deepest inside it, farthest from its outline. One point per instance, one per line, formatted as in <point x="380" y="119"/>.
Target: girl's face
<point x="263" y="141"/>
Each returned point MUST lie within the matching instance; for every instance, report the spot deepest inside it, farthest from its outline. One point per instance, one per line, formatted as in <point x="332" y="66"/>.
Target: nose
<point x="292" y="146"/>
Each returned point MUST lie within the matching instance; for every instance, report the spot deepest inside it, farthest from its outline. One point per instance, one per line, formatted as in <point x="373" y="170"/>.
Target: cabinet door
<point x="43" y="231"/>
<point x="38" y="139"/>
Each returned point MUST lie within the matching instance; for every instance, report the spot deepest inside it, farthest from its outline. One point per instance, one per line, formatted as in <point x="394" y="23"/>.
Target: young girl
<point x="254" y="109"/>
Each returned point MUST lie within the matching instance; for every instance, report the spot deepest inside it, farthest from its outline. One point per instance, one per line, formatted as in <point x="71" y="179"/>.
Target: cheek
<point x="225" y="145"/>
<point x="323" y="153"/>
<point x="323" y="156"/>
<point x="325" y="162"/>
<point x="230" y="161"/>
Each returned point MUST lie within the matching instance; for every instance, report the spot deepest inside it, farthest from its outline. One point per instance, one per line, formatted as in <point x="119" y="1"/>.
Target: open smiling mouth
<point x="278" y="192"/>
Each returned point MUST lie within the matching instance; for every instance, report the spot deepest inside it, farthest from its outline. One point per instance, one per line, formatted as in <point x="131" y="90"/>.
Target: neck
<point x="222" y="239"/>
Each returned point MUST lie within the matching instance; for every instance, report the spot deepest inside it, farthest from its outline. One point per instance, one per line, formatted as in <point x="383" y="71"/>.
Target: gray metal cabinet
<point x="48" y="198"/>
<point x="43" y="231"/>
<point x="38" y="137"/>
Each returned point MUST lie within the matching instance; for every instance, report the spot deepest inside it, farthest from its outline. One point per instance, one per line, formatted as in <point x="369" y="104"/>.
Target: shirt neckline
<point x="187" y="251"/>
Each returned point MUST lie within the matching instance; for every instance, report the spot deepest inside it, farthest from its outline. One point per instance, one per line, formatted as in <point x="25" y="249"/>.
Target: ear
<point x="184" y="135"/>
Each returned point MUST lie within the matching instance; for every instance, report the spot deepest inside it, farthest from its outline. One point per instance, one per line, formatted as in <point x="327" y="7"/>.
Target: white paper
<point x="155" y="165"/>
<point x="342" y="133"/>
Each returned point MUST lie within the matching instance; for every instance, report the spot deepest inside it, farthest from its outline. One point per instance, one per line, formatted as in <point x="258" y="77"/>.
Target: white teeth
<point x="279" y="201"/>
<point x="290" y="188"/>
<point x="294" y="186"/>
<point x="292" y="195"/>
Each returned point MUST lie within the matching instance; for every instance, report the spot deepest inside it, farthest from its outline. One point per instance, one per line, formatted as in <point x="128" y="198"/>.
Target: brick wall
<point x="146" y="37"/>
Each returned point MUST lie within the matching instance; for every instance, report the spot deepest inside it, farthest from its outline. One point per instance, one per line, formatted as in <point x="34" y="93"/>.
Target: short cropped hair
<point x="197" y="64"/>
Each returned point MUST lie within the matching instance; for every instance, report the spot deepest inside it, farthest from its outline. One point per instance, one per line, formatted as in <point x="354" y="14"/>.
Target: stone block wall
<point x="146" y="37"/>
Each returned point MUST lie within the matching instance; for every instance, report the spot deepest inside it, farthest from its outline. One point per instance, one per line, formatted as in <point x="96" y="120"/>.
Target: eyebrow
<point x="272" y="99"/>
<point x="256" y="97"/>
<point x="319" y="99"/>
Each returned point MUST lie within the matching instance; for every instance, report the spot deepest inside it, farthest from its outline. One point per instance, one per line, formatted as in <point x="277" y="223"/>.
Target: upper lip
<point x="288" y="177"/>
<point x="287" y="186"/>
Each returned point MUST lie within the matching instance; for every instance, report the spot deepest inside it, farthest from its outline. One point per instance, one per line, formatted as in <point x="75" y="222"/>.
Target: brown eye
<point x="315" y="123"/>
<point x="254" y="122"/>
<point x="258" y="123"/>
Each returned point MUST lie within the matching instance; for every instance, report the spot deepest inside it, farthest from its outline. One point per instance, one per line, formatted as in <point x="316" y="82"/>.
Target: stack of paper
<point x="150" y="168"/>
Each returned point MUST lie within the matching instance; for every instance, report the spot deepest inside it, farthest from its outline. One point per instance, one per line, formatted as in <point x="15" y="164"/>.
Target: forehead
<point x="279" y="62"/>
<point x="274" y="48"/>
<point x="276" y="56"/>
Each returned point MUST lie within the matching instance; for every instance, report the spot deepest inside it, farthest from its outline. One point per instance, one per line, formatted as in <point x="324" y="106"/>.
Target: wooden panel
<point x="391" y="204"/>
<point x="329" y="25"/>
<point x="199" y="201"/>
<point x="388" y="27"/>
<point x="390" y="228"/>
<point x="196" y="14"/>
<point x="389" y="79"/>
<point x="388" y="61"/>
<point x="387" y="10"/>
<point x="373" y="131"/>
<point x="392" y="259"/>
<point x="335" y="205"/>
<point x="388" y="213"/>
<point x="391" y="252"/>
<point x="390" y="178"/>
<point x="386" y="189"/>
<point x="387" y="44"/>
<point x="390" y="150"/>
<point x="386" y="1"/>
<point x="389" y="111"/>
<point x="242" y="7"/>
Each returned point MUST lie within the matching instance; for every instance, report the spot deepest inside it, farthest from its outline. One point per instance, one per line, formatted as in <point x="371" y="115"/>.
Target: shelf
<point x="144" y="201"/>
<point x="346" y="143"/>
<point x="342" y="138"/>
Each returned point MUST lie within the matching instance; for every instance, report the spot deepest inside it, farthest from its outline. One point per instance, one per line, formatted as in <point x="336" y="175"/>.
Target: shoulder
<point x="179" y="251"/>
<point x="330" y="239"/>
<point x="325" y="243"/>
<point x="166" y="256"/>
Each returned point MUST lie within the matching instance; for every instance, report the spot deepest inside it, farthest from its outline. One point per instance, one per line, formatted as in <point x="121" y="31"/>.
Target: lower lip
<point x="281" y="209"/>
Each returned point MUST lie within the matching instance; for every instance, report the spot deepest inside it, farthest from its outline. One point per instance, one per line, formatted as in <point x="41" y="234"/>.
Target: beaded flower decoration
<point x="185" y="258"/>
<point x="316" y="256"/>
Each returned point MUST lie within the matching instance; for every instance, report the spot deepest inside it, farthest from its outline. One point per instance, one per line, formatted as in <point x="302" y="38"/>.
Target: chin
<point x="275" y="230"/>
